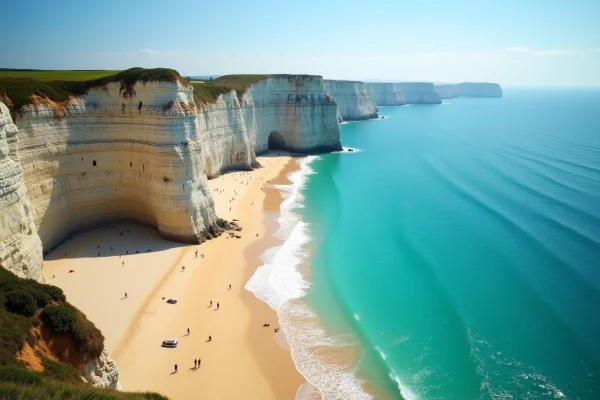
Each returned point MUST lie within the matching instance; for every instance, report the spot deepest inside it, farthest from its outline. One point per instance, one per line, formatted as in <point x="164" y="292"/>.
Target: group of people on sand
<point x="266" y="325"/>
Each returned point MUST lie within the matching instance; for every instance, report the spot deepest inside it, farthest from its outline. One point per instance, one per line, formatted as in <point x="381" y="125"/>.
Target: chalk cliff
<point x="417" y="92"/>
<point x="103" y="156"/>
<point x="479" y="89"/>
<point x="147" y="158"/>
<point x="446" y="91"/>
<point x="353" y="100"/>
<point x="20" y="246"/>
<point x="102" y="372"/>
<point x="384" y="94"/>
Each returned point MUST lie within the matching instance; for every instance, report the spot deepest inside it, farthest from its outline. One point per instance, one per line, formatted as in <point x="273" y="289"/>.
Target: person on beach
<point x="217" y="306"/>
<point x="182" y="268"/>
<point x="123" y="263"/>
<point x="125" y="294"/>
<point x="199" y="361"/>
<point x="230" y="286"/>
<point x="195" y="363"/>
<point x="175" y="368"/>
<point x="196" y="253"/>
<point x="53" y="276"/>
<point x="188" y="331"/>
<point x="209" y="338"/>
<point x="210" y="303"/>
<point x="276" y="330"/>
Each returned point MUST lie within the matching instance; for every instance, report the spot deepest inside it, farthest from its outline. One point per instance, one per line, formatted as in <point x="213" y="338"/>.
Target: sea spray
<point x="279" y="283"/>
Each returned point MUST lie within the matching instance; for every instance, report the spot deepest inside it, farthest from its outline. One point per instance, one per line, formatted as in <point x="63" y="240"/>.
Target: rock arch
<point x="276" y="141"/>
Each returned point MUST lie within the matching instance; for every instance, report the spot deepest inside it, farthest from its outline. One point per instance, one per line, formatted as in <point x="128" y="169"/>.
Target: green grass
<point x="58" y="380"/>
<point x="209" y="91"/>
<point x="57" y="75"/>
<point x="18" y="87"/>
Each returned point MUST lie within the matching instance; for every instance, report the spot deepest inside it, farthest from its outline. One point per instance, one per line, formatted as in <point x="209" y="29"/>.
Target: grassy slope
<point x="57" y="75"/>
<point x="23" y="305"/>
<point x="208" y="91"/>
<point x="17" y="87"/>
<point x="18" y="91"/>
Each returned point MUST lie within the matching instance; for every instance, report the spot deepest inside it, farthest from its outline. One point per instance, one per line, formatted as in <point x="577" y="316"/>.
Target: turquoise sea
<point x="459" y="249"/>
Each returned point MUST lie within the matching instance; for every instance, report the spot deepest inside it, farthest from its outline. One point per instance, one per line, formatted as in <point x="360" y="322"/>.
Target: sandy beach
<point x="242" y="360"/>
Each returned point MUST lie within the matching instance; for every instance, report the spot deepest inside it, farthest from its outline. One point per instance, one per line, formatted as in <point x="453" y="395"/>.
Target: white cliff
<point x="446" y="91"/>
<point x="102" y="372"/>
<point x="147" y="158"/>
<point x="384" y="94"/>
<point x="353" y="100"/>
<point x="418" y="92"/>
<point x="20" y="246"/>
<point x="101" y="157"/>
<point x="479" y="89"/>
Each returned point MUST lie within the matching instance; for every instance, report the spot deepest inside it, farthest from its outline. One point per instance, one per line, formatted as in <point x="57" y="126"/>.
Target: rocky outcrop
<point x="102" y="372"/>
<point x="353" y="101"/>
<point x="479" y="89"/>
<point x="418" y="93"/>
<point x="384" y="94"/>
<point x="446" y="91"/>
<point x="20" y="246"/>
<point x="101" y="157"/>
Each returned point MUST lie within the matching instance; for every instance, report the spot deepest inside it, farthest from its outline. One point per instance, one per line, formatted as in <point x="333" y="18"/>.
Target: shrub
<point x="60" y="371"/>
<point x="54" y="292"/>
<point x="61" y="318"/>
<point x="22" y="302"/>
<point x="41" y="297"/>
<point x="88" y="338"/>
<point x="19" y="375"/>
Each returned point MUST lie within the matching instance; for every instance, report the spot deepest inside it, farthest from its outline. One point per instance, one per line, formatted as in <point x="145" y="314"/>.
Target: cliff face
<point x="20" y="246"/>
<point x="479" y="89"/>
<point x="384" y="94"/>
<point x="418" y="93"/>
<point x="446" y="91"/>
<point x="102" y="157"/>
<point x="353" y="100"/>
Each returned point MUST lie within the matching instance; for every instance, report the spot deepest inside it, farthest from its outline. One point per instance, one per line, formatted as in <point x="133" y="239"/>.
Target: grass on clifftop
<point x="35" y="322"/>
<point x="209" y="91"/>
<point x="58" y="75"/>
<point x="20" y="87"/>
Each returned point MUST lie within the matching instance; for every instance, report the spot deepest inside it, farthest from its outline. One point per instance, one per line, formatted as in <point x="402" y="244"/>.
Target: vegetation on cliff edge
<point x="19" y="88"/>
<point x="209" y="91"/>
<point x="35" y="322"/>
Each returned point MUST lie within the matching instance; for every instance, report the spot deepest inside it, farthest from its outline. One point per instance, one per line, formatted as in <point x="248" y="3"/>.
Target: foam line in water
<point x="279" y="283"/>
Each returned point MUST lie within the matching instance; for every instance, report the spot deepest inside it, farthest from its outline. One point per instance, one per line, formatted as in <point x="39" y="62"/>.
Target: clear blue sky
<point x="514" y="42"/>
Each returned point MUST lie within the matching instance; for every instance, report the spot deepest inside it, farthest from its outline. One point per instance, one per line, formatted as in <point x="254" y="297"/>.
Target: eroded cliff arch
<point x="276" y="141"/>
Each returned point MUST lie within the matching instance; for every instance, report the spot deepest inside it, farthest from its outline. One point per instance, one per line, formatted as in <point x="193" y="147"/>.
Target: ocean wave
<point x="279" y="283"/>
<point x="524" y="379"/>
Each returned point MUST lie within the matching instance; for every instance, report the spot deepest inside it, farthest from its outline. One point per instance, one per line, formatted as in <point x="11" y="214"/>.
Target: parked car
<point x="170" y="343"/>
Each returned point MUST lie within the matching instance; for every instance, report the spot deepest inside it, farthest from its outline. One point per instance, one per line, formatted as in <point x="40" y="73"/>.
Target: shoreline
<point x="243" y="356"/>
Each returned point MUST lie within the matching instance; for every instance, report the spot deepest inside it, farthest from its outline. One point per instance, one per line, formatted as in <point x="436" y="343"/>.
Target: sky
<point x="512" y="42"/>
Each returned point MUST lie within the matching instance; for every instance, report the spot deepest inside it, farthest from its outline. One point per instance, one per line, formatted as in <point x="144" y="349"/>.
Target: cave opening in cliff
<point x="276" y="141"/>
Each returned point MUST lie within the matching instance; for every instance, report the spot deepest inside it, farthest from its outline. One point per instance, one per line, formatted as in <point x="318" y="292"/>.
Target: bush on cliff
<point x="24" y="304"/>
<point x="60" y="318"/>
<point x="21" y="301"/>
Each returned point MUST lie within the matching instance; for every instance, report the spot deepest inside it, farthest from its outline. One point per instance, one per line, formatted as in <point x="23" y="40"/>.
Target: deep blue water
<point x="462" y="246"/>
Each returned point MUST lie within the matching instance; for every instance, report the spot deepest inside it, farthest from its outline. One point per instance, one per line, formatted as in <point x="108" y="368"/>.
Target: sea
<point x="453" y="254"/>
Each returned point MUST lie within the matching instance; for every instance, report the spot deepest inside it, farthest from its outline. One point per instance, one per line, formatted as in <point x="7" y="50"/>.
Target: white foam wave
<point x="279" y="283"/>
<point x="404" y="391"/>
<point x="381" y="353"/>
<point x="347" y="150"/>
